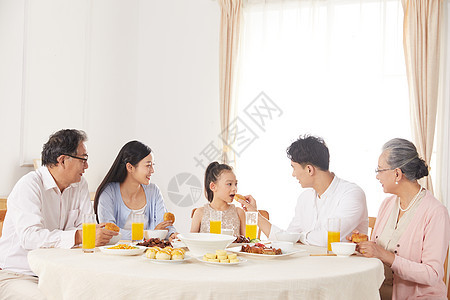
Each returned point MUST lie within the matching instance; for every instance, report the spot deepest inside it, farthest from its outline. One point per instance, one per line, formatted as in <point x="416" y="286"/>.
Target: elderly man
<point x="327" y="196"/>
<point x="45" y="209"/>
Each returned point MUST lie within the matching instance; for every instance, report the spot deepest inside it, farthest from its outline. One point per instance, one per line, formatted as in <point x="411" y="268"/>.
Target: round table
<point x="71" y="274"/>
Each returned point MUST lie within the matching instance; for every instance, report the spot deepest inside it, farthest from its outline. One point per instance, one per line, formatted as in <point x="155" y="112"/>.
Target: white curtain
<point x="443" y="124"/>
<point x="332" y="68"/>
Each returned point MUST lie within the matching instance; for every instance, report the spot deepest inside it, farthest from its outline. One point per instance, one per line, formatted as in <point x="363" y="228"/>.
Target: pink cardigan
<point x="420" y="253"/>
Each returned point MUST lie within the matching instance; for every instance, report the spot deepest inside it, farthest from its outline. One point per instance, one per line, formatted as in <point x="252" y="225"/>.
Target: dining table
<point x="72" y="274"/>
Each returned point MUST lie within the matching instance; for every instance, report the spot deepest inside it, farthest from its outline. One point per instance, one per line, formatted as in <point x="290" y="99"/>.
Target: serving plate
<point x="125" y="252"/>
<point x="162" y="261"/>
<point x="267" y="256"/>
<point x="241" y="260"/>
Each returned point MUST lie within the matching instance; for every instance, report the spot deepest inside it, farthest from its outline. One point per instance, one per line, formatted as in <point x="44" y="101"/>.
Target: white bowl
<point x="343" y="249"/>
<point x="284" y="246"/>
<point x="115" y="239"/>
<point x="201" y="243"/>
<point x="160" y="234"/>
<point x="286" y="236"/>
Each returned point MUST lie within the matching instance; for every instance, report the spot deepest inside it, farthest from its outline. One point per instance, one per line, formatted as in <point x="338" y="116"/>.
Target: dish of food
<point x="220" y="257"/>
<point x="122" y="249"/>
<point x="267" y="256"/>
<point x="152" y="242"/>
<point x="165" y="255"/>
<point x="240" y="260"/>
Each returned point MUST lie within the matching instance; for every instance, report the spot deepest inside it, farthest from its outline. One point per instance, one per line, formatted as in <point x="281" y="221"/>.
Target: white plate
<point x="115" y="239"/>
<point x="138" y="251"/>
<point x="162" y="261"/>
<point x="241" y="260"/>
<point x="284" y="254"/>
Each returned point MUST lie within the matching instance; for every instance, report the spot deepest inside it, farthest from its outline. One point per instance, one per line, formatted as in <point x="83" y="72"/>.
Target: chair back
<point x="2" y="218"/>
<point x="372" y="221"/>
<point x="265" y="214"/>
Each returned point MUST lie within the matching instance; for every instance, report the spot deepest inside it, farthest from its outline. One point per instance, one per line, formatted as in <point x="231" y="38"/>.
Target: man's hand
<point x="103" y="235"/>
<point x="249" y="204"/>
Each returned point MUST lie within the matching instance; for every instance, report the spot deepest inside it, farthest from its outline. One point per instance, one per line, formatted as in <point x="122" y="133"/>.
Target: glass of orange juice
<point x="215" y="222"/>
<point x="251" y="224"/>
<point x="334" y="231"/>
<point x="89" y="225"/>
<point x="137" y="227"/>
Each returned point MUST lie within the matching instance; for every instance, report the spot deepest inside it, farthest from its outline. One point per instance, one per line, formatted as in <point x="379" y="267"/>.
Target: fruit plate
<point x="267" y="256"/>
<point x="241" y="260"/>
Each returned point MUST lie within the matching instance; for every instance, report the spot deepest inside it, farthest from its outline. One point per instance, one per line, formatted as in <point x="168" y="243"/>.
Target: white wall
<point x="145" y="70"/>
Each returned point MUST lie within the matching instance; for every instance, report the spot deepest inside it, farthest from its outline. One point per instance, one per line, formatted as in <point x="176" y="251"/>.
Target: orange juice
<point x="137" y="231"/>
<point x="215" y="227"/>
<point x="250" y="231"/>
<point x="333" y="236"/>
<point x="89" y="235"/>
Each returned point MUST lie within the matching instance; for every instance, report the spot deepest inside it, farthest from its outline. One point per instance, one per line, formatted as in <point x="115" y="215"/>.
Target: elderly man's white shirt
<point x="342" y="199"/>
<point x="40" y="216"/>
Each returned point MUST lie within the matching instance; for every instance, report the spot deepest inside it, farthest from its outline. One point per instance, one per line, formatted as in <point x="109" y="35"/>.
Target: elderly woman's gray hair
<point x="403" y="154"/>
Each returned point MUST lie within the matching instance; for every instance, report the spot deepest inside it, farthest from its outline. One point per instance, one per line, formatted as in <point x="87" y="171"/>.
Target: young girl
<point x="220" y="188"/>
<point x="126" y="189"/>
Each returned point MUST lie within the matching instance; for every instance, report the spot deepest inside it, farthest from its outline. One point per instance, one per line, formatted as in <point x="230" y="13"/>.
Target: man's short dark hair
<point x="65" y="141"/>
<point x="310" y="150"/>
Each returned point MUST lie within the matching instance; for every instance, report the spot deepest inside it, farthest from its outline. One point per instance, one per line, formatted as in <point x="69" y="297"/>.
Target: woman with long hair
<point x="126" y="189"/>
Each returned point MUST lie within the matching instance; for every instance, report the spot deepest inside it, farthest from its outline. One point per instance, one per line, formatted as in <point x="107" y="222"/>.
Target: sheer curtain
<point x="421" y="42"/>
<point x="230" y="31"/>
<point x="443" y="124"/>
<point x="334" y="69"/>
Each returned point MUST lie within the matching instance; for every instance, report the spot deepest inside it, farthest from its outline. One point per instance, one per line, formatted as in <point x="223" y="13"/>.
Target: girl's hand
<point x="249" y="204"/>
<point x="173" y="236"/>
<point x="371" y="249"/>
<point x="163" y="225"/>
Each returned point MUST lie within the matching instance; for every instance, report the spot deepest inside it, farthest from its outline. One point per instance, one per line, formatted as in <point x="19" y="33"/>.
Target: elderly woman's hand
<point x="371" y="249"/>
<point x="349" y="237"/>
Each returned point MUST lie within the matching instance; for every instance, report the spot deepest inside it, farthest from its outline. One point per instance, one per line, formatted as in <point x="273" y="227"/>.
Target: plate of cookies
<point x="222" y="258"/>
<point x="167" y="255"/>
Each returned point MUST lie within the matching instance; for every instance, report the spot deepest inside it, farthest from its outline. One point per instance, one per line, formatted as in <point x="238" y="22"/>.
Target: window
<point x="336" y="69"/>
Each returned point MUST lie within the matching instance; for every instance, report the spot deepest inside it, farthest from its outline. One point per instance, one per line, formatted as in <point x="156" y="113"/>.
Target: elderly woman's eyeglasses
<point x="382" y="170"/>
<point x="84" y="159"/>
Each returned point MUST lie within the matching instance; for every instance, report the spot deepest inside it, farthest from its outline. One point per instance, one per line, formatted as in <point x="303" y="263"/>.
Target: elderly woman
<point x="412" y="231"/>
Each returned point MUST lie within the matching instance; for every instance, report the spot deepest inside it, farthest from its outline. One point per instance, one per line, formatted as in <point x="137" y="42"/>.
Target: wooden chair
<point x="2" y="218"/>
<point x="372" y="221"/>
<point x="263" y="213"/>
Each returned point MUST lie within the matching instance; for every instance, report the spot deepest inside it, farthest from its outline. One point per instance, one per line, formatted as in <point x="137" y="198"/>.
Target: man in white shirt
<point x="328" y="197"/>
<point x="45" y="210"/>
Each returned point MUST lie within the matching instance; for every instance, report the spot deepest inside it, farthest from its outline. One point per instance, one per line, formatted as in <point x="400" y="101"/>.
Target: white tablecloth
<point x="71" y="274"/>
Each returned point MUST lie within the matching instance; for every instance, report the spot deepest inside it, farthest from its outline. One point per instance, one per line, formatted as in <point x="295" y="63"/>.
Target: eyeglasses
<point x="77" y="157"/>
<point x="382" y="170"/>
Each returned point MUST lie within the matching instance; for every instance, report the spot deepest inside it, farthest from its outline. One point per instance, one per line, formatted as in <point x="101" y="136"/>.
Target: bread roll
<point x="112" y="227"/>
<point x="357" y="238"/>
<point x="237" y="196"/>
<point x="151" y="253"/>
<point x="163" y="255"/>
<point x="169" y="217"/>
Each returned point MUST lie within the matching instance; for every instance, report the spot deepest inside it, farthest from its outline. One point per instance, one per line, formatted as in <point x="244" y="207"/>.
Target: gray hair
<point x="403" y="154"/>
